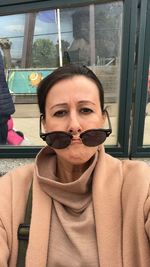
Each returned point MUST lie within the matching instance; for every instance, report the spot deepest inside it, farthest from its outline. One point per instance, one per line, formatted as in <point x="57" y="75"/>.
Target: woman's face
<point x="73" y="105"/>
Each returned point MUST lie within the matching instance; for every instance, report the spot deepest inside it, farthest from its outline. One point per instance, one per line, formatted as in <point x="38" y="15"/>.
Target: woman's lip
<point x="76" y="140"/>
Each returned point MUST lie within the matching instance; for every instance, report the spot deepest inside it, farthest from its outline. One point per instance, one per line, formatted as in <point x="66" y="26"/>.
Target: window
<point x="34" y="44"/>
<point x="146" y="138"/>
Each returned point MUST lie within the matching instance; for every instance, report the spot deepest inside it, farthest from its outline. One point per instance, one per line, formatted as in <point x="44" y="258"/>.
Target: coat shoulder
<point x="136" y="183"/>
<point x="21" y="175"/>
<point x="14" y="188"/>
<point x="132" y="172"/>
<point x="136" y="170"/>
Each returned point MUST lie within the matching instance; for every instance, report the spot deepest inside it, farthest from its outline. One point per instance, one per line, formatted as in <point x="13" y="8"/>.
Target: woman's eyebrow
<point x="86" y="102"/>
<point x="81" y="102"/>
<point x="58" y="105"/>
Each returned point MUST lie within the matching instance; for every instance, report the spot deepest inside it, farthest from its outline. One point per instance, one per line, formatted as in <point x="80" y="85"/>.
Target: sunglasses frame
<point x="107" y="131"/>
<point x="43" y="135"/>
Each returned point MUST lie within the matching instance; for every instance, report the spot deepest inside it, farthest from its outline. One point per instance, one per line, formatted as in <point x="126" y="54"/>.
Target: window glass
<point x="34" y="44"/>
<point x="146" y="140"/>
<point x="11" y="39"/>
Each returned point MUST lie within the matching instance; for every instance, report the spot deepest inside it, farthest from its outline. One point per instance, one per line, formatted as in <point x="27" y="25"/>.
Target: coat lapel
<point x="39" y="229"/>
<point x="107" y="183"/>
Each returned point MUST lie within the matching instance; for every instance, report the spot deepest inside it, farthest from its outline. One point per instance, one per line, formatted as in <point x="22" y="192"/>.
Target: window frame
<point x="9" y="7"/>
<point x="137" y="148"/>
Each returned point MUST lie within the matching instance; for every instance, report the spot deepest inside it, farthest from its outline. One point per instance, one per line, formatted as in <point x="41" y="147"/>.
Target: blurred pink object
<point x="13" y="138"/>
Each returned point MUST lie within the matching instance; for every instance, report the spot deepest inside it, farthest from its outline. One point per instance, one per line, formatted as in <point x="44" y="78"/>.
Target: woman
<point x="88" y="208"/>
<point x="6" y="104"/>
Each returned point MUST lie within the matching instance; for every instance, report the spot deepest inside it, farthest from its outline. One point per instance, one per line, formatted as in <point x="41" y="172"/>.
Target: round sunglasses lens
<point x="93" y="137"/>
<point x="58" y="140"/>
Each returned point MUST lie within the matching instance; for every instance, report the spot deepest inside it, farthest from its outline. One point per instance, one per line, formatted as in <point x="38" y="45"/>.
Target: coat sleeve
<point x="147" y="215"/>
<point x="14" y="188"/>
<point x="5" y="220"/>
<point x="4" y="249"/>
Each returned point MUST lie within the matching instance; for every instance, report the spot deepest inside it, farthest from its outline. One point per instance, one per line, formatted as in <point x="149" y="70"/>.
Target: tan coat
<point x="122" y="214"/>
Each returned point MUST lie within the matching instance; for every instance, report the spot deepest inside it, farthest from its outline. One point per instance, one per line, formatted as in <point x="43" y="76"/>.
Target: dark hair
<point x="63" y="73"/>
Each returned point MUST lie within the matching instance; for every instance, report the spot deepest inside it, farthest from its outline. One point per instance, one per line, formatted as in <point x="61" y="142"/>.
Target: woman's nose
<point x="74" y="126"/>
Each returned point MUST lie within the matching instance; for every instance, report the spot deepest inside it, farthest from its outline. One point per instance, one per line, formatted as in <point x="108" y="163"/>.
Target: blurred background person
<point x="6" y="104"/>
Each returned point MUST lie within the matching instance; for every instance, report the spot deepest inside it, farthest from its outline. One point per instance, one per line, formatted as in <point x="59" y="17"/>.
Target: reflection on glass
<point x="146" y="138"/>
<point x="34" y="44"/>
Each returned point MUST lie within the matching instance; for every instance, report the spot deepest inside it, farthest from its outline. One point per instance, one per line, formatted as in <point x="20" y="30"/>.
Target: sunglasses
<point x="91" y="138"/>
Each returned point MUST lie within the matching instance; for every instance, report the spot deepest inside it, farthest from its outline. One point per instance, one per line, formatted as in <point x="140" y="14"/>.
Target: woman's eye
<point x="86" y="110"/>
<point x="60" y="113"/>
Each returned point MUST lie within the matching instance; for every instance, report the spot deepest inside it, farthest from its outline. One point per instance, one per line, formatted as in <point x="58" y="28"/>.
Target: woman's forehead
<point x="79" y="87"/>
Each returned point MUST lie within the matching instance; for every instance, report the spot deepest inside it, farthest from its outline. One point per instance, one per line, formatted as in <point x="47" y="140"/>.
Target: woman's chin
<point x="76" y="155"/>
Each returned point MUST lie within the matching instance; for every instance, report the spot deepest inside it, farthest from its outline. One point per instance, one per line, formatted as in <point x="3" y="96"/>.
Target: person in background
<point x="6" y="104"/>
<point x="15" y="137"/>
<point x="88" y="208"/>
